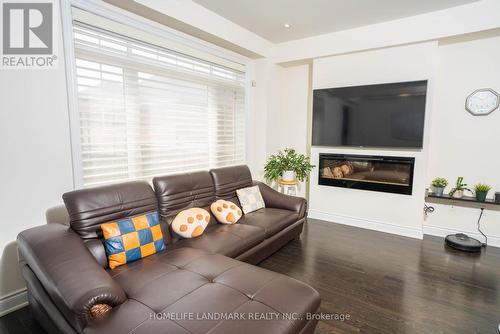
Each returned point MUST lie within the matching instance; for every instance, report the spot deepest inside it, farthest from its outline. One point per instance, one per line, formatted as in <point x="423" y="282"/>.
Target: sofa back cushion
<point x="179" y="192"/>
<point x="229" y="179"/>
<point x="91" y="207"/>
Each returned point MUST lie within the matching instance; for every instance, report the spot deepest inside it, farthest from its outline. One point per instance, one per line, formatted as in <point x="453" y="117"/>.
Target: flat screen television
<point x="384" y="115"/>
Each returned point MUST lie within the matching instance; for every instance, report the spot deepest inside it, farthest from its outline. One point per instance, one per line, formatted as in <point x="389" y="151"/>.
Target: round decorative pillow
<point x="225" y="212"/>
<point x="191" y="223"/>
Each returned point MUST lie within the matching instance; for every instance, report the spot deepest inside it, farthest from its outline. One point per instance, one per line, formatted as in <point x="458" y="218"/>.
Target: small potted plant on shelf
<point x="481" y="191"/>
<point x="458" y="190"/>
<point x="287" y="165"/>
<point x="438" y="184"/>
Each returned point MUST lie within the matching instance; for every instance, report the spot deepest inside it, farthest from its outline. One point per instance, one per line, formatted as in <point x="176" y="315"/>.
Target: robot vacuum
<point x="463" y="242"/>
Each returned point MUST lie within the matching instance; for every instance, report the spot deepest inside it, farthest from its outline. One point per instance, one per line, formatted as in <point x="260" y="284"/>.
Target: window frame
<point x="110" y="12"/>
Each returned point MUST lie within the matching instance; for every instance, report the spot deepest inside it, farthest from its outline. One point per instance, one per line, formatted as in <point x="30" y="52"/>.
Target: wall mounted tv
<point x="385" y="115"/>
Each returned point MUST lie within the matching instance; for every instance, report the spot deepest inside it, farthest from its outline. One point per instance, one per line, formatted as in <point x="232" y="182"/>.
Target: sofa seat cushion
<point x="271" y="220"/>
<point x="229" y="240"/>
<point x="190" y="281"/>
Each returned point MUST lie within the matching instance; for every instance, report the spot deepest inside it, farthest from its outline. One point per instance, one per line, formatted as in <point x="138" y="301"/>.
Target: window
<point x="145" y="110"/>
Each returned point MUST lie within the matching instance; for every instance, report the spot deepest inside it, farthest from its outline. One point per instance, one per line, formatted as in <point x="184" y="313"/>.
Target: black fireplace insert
<point x="367" y="172"/>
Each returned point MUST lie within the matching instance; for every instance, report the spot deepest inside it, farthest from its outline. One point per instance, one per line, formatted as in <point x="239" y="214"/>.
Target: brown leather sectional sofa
<point x="201" y="285"/>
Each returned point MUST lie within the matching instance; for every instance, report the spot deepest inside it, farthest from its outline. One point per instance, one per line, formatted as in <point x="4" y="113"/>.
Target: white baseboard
<point x="443" y="232"/>
<point x="13" y="302"/>
<point x="368" y="224"/>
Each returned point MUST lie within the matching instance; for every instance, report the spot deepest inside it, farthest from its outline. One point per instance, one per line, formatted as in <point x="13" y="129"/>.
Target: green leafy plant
<point x="482" y="188"/>
<point x="439" y="182"/>
<point x="481" y="191"/>
<point x="459" y="186"/>
<point x="287" y="160"/>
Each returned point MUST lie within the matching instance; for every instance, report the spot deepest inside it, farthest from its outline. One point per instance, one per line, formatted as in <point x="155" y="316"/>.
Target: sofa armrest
<point x="275" y="199"/>
<point x="68" y="272"/>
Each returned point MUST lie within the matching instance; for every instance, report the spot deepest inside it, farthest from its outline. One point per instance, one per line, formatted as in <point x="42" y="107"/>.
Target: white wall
<point x="278" y="112"/>
<point x="36" y="156"/>
<point x="287" y="117"/>
<point x="259" y="74"/>
<point x="394" y="213"/>
<point x="286" y="111"/>
<point x="462" y="144"/>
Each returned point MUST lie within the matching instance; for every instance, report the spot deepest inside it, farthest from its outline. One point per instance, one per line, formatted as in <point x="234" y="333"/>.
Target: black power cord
<point x="479" y="228"/>
<point x="428" y="209"/>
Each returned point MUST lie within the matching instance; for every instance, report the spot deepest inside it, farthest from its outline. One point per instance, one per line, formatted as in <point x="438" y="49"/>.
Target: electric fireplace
<point x="367" y="172"/>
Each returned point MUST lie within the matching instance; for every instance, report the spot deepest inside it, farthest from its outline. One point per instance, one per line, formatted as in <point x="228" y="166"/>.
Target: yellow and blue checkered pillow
<point x="131" y="239"/>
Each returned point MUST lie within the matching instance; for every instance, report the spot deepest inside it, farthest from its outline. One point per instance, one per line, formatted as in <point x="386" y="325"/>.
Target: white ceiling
<point x="314" y="17"/>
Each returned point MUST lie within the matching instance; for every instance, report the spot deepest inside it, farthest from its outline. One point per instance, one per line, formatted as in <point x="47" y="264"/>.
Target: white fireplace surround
<point x="386" y="212"/>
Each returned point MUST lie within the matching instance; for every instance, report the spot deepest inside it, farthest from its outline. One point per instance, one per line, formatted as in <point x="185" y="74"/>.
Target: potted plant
<point x="460" y="186"/>
<point x="481" y="191"/>
<point x="288" y="165"/>
<point x="439" y="183"/>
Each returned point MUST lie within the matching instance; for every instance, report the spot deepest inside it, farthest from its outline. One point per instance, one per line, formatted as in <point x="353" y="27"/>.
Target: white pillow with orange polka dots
<point x="191" y="223"/>
<point x="225" y="212"/>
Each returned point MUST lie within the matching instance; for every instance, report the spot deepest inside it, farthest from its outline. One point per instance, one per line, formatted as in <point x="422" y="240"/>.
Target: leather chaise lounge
<point x="206" y="284"/>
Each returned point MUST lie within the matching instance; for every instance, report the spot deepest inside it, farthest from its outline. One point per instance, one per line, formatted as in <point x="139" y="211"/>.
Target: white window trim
<point x="110" y="12"/>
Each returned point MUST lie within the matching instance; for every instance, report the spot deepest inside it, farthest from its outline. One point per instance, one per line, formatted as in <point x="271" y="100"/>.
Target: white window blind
<point x="147" y="111"/>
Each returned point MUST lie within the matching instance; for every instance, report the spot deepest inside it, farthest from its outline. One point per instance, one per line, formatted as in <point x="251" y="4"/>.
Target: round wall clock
<point x="482" y="102"/>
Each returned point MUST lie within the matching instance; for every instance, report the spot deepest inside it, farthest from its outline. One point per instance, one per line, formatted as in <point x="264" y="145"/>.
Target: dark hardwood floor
<point x="20" y="321"/>
<point x="385" y="283"/>
<point x="392" y="284"/>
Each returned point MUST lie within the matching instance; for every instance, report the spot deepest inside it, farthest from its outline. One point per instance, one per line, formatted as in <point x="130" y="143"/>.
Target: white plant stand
<point x="288" y="187"/>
